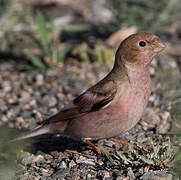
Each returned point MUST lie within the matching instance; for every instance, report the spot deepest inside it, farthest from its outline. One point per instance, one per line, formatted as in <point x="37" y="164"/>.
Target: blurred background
<point x="42" y="33"/>
<point x="51" y="50"/>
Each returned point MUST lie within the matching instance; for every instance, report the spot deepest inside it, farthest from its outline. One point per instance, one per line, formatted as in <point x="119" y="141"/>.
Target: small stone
<point x="26" y="107"/>
<point x="60" y="96"/>
<point x="119" y="178"/>
<point x="151" y="117"/>
<point x="50" y="101"/>
<point x="38" y="158"/>
<point x="3" y="107"/>
<point x="32" y="102"/>
<point x="28" y="159"/>
<point x="20" y="120"/>
<point x="85" y="161"/>
<point x="152" y="98"/>
<point x="88" y="176"/>
<point x="7" y="88"/>
<point x="11" y="114"/>
<point x="26" y="114"/>
<point x="164" y="125"/>
<point x="46" y="172"/>
<point x="157" y="175"/>
<point x="38" y="115"/>
<point x="12" y="100"/>
<point x="107" y="143"/>
<point x="39" y="79"/>
<point x="152" y="71"/>
<point x="131" y="174"/>
<point x="25" y="95"/>
<point x="100" y="162"/>
<point x="106" y="175"/>
<point x="72" y="163"/>
<point x="4" y="118"/>
<point x="63" y="165"/>
<point x="61" y="173"/>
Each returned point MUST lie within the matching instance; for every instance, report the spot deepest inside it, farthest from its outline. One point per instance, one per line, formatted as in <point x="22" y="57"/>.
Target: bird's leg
<point x="123" y="142"/>
<point x="119" y="141"/>
<point x="94" y="147"/>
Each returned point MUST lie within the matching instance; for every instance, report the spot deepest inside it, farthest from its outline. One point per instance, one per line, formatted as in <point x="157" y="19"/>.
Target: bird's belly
<point x="112" y="120"/>
<point x="135" y="106"/>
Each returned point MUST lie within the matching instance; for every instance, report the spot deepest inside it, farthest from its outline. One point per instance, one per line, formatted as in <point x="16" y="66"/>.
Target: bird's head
<point x="139" y="49"/>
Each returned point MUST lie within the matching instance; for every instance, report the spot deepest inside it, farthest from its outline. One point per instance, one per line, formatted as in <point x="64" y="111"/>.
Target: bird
<point x="116" y="103"/>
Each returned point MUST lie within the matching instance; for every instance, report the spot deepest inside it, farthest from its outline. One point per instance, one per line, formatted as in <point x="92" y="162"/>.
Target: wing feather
<point x="93" y="99"/>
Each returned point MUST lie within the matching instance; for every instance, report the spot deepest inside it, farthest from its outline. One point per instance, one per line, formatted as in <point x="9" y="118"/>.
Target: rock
<point x="4" y="118"/>
<point x="157" y="175"/>
<point x="164" y="125"/>
<point x="85" y="161"/>
<point x="150" y="118"/>
<point x="39" y="79"/>
<point x="25" y="95"/>
<point x="72" y="163"/>
<point x="20" y="120"/>
<point x="63" y="165"/>
<point x="106" y="175"/>
<point x="49" y="100"/>
<point x="31" y="159"/>
<point x="61" y="173"/>
<point x="131" y="174"/>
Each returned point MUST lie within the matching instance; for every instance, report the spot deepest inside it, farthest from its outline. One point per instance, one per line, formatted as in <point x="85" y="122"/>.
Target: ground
<point x="27" y="98"/>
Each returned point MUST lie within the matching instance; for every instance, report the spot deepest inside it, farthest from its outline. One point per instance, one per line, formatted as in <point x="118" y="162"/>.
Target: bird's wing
<point x="93" y="99"/>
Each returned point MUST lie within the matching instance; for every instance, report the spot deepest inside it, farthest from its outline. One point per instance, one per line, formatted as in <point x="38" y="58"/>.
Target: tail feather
<point x="35" y="132"/>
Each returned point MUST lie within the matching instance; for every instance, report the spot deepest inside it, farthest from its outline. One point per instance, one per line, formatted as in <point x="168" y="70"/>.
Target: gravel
<point x="27" y="98"/>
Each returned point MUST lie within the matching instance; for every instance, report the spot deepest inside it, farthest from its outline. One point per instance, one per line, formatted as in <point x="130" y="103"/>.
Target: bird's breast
<point x="135" y="98"/>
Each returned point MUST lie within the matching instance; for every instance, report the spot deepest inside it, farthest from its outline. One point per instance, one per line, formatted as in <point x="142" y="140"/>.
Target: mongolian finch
<point x="116" y="103"/>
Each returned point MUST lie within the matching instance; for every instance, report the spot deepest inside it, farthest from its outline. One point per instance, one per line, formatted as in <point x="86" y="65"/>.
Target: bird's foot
<point x="94" y="147"/>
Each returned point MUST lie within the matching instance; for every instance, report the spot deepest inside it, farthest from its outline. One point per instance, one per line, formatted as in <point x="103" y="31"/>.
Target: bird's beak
<point x="159" y="47"/>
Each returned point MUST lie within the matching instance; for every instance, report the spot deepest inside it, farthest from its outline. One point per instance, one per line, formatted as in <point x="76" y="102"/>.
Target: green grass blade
<point x="123" y="157"/>
<point x="28" y="67"/>
<point x="107" y="154"/>
<point x="62" y="54"/>
<point x="146" y="160"/>
<point x="42" y="28"/>
<point x="36" y="62"/>
<point x="35" y="41"/>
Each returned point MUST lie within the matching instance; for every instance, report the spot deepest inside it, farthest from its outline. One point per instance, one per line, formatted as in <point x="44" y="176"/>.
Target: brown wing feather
<point x="93" y="99"/>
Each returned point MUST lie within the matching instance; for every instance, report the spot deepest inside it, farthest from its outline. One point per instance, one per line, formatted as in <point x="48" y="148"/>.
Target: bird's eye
<point x="142" y="43"/>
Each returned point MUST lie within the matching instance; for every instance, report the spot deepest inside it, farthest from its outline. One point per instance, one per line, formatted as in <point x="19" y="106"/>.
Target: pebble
<point x="131" y="174"/>
<point x="50" y="101"/>
<point x="106" y="175"/>
<point x="85" y="161"/>
<point x="164" y="126"/>
<point x="72" y="163"/>
<point x="157" y="175"/>
<point x="63" y="165"/>
<point x="20" y="120"/>
<point x="4" y="118"/>
<point x="39" y="79"/>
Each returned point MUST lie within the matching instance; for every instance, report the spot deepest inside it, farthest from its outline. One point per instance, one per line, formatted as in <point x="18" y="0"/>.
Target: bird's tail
<point x="36" y="132"/>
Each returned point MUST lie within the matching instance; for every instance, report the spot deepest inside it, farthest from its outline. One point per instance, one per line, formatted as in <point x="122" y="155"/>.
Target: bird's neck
<point x="138" y="68"/>
<point x="138" y="74"/>
<point x="131" y="72"/>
